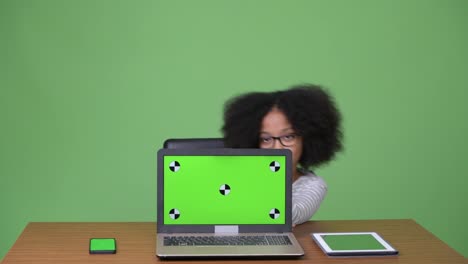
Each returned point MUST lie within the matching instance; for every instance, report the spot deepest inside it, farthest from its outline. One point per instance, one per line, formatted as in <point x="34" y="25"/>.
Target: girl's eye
<point x="289" y="137"/>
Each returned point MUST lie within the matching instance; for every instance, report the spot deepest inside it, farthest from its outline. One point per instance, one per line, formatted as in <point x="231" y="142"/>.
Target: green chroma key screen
<point x="224" y="190"/>
<point x="352" y="242"/>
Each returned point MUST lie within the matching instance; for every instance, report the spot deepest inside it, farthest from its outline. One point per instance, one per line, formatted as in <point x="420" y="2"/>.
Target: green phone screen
<point x="102" y="245"/>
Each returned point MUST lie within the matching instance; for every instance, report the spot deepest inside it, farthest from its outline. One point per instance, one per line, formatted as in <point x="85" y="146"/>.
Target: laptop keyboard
<point x="226" y="240"/>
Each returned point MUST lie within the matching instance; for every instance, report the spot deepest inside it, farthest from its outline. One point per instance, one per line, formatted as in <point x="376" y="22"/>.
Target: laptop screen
<point x="223" y="187"/>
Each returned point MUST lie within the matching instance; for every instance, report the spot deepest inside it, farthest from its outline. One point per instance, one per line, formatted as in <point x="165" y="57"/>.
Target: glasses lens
<point x="288" y="140"/>
<point x="266" y="141"/>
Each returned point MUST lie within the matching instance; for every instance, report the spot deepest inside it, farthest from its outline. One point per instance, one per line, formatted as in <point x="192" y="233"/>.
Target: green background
<point x="246" y="203"/>
<point x="91" y="89"/>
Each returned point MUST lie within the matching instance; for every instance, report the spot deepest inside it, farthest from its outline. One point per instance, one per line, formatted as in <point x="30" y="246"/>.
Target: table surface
<point x="136" y="243"/>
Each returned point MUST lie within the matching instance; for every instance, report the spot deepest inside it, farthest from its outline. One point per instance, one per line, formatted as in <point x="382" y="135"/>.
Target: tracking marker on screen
<point x="274" y="213"/>
<point x="174" y="214"/>
<point x="275" y="166"/>
<point x="225" y="189"/>
<point x="174" y="166"/>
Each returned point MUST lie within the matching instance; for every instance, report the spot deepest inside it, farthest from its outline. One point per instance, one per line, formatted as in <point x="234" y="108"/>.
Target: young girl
<point x="303" y="119"/>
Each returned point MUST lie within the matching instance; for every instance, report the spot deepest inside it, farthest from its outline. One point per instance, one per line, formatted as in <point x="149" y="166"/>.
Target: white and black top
<point x="308" y="192"/>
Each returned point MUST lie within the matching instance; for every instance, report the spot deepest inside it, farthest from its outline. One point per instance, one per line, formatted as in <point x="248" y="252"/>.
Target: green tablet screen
<point x="352" y="242"/>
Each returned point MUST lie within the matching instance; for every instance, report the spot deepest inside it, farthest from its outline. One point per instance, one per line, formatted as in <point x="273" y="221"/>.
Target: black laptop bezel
<point x="209" y="228"/>
<point x="178" y="143"/>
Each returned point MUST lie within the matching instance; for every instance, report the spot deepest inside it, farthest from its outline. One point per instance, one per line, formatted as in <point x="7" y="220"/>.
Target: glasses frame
<point x="280" y="141"/>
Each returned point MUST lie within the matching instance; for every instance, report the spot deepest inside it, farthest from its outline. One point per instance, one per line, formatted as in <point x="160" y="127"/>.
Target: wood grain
<point x="68" y="243"/>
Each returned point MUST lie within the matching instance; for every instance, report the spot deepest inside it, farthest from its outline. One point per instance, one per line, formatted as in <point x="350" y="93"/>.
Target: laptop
<point x="194" y="143"/>
<point x="225" y="203"/>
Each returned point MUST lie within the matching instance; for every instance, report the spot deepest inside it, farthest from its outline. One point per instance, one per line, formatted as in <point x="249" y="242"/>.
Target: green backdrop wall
<point x="90" y="90"/>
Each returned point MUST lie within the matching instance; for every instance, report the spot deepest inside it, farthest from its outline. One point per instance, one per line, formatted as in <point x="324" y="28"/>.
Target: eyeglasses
<point x="286" y="140"/>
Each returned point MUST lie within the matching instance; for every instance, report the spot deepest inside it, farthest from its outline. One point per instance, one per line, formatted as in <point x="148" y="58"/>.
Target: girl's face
<point x="276" y="132"/>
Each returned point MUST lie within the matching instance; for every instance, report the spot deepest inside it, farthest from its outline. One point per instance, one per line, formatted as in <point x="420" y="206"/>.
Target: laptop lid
<point x="219" y="189"/>
<point x="176" y="143"/>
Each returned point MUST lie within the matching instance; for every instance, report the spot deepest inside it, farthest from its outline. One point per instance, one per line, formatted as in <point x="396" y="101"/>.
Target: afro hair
<point x="310" y="110"/>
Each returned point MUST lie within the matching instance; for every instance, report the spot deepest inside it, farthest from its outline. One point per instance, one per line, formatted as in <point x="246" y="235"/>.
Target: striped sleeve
<point x="307" y="193"/>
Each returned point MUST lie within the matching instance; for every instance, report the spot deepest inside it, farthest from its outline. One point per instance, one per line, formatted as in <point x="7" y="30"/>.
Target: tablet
<point x="353" y="244"/>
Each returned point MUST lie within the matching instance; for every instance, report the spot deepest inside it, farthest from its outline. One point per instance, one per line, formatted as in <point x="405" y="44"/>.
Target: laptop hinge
<point x="227" y="229"/>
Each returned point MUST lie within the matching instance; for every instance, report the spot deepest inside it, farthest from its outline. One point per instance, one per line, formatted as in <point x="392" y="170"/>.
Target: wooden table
<point x="68" y="243"/>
